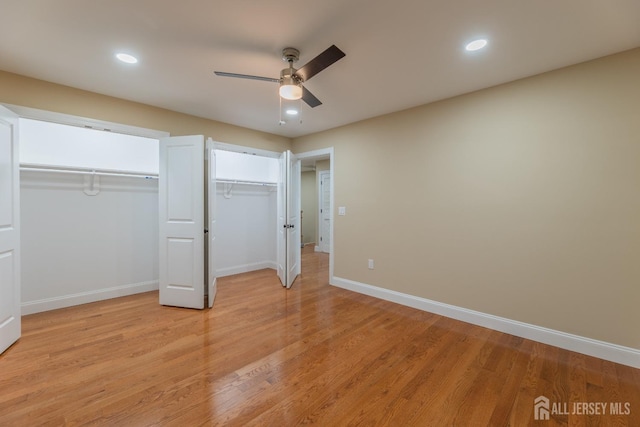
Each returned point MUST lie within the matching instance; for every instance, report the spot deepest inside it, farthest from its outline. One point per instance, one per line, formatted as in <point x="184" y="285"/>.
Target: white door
<point x="289" y="238"/>
<point x="282" y="219"/>
<point x="325" y="211"/>
<point x="211" y="218"/>
<point x="9" y="230"/>
<point x="181" y="196"/>
<point x="281" y="224"/>
<point x="294" y="236"/>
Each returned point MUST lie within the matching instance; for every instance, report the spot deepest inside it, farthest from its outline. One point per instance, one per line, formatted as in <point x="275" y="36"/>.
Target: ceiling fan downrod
<point x="290" y="55"/>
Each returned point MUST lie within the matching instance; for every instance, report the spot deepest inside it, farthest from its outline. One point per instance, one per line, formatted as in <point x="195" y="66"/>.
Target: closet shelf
<point x="237" y="181"/>
<point x="84" y="171"/>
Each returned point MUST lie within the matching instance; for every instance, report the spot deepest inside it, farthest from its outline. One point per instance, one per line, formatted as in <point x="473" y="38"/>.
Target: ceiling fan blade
<point x="246" y="76"/>
<point x="310" y="98"/>
<point x="320" y="62"/>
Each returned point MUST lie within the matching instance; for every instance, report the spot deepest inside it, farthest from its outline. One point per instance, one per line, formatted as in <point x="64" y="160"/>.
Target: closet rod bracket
<point x="92" y="184"/>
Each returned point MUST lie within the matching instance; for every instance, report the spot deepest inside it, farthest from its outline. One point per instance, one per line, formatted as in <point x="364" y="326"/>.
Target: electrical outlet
<point x="342" y="210"/>
<point x="370" y="264"/>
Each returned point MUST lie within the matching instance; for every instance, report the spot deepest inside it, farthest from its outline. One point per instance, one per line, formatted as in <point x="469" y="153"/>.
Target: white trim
<point x="316" y="248"/>
<point x="225" y="146"/>
<point x="603" y="350"/>
<point x="68" y="119"/>
<point x="31" y="307"/>
<point x="245" y="268"/>
<point x="321" y="153"/>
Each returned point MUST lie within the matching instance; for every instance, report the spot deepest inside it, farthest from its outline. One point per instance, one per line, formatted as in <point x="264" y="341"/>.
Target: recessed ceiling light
<point x="125" y="57"/>
<point x="292" y="112"/>
<point x="476" y="45"/>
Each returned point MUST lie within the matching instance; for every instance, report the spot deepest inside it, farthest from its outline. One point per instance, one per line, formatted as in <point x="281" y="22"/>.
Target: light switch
<point x="342" y="210"/>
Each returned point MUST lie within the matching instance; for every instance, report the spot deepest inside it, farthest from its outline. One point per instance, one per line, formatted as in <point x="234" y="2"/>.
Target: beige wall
<point x="323" y="165"/>
<point x="309" y="205"/>
<point x="520" y="201"/>
<point x="28" y="92"/>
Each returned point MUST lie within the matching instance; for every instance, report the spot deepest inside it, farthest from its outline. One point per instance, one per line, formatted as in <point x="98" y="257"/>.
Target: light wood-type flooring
<point x="315" y="354"/>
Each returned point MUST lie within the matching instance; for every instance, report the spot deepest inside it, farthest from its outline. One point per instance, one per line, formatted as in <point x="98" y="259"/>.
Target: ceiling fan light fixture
<point x="290" y="88"/>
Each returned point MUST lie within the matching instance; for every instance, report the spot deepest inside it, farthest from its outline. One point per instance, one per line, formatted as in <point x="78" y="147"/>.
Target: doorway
<point x="317" y="205"/>
<point x="324" y="211"/>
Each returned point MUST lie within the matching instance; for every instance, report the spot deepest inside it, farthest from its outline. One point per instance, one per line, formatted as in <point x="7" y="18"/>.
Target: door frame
<point x="79" y="121"/>
<point x="211" y="287"/>
<point x="24" y="112"/>
<point x="322" y="154"/>
<point x="225" y="146"/>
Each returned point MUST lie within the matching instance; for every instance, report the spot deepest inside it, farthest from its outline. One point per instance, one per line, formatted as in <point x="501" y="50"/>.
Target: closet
<point x="246" y="194"/>
<point x="89" y="214"/>
<point x="89" y="200"/>
<point x="199" y="229"/>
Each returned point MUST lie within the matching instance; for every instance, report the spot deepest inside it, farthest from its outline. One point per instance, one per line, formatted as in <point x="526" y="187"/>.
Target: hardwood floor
<point x="315" y="354"/>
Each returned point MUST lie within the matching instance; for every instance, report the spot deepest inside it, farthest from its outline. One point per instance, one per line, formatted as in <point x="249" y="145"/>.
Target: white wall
<point x="246" y="232"/>
<point x="78" y="248"/>
<point x="246" y="167"/>
<point x="72" y="146"/>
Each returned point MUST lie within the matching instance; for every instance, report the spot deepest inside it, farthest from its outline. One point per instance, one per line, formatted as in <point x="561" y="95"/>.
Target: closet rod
<point x="235" y="181"/>
<point x="85" y="171"/>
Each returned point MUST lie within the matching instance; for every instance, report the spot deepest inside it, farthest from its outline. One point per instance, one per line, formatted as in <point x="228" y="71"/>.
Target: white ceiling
<point x="400" y="53"/>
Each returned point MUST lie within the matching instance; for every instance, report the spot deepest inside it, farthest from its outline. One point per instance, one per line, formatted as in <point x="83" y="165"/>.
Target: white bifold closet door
<point x="9" y="230"/>
<point x="184" y="222"/>
<point x="289" y="238"/>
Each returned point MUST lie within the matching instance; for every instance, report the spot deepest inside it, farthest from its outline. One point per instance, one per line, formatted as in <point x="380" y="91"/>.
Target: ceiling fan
<point x="291" y="80"/>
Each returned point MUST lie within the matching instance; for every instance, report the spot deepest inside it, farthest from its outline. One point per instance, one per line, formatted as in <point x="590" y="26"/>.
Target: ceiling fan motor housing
<point x="289" y="75"/>
<point x="290" y="55"/>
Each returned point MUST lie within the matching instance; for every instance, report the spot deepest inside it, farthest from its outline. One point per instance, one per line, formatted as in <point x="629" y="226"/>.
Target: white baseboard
<point x="62" y="301"/>
<point x="245" y="268"/>
<point x="603" y="350"/>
